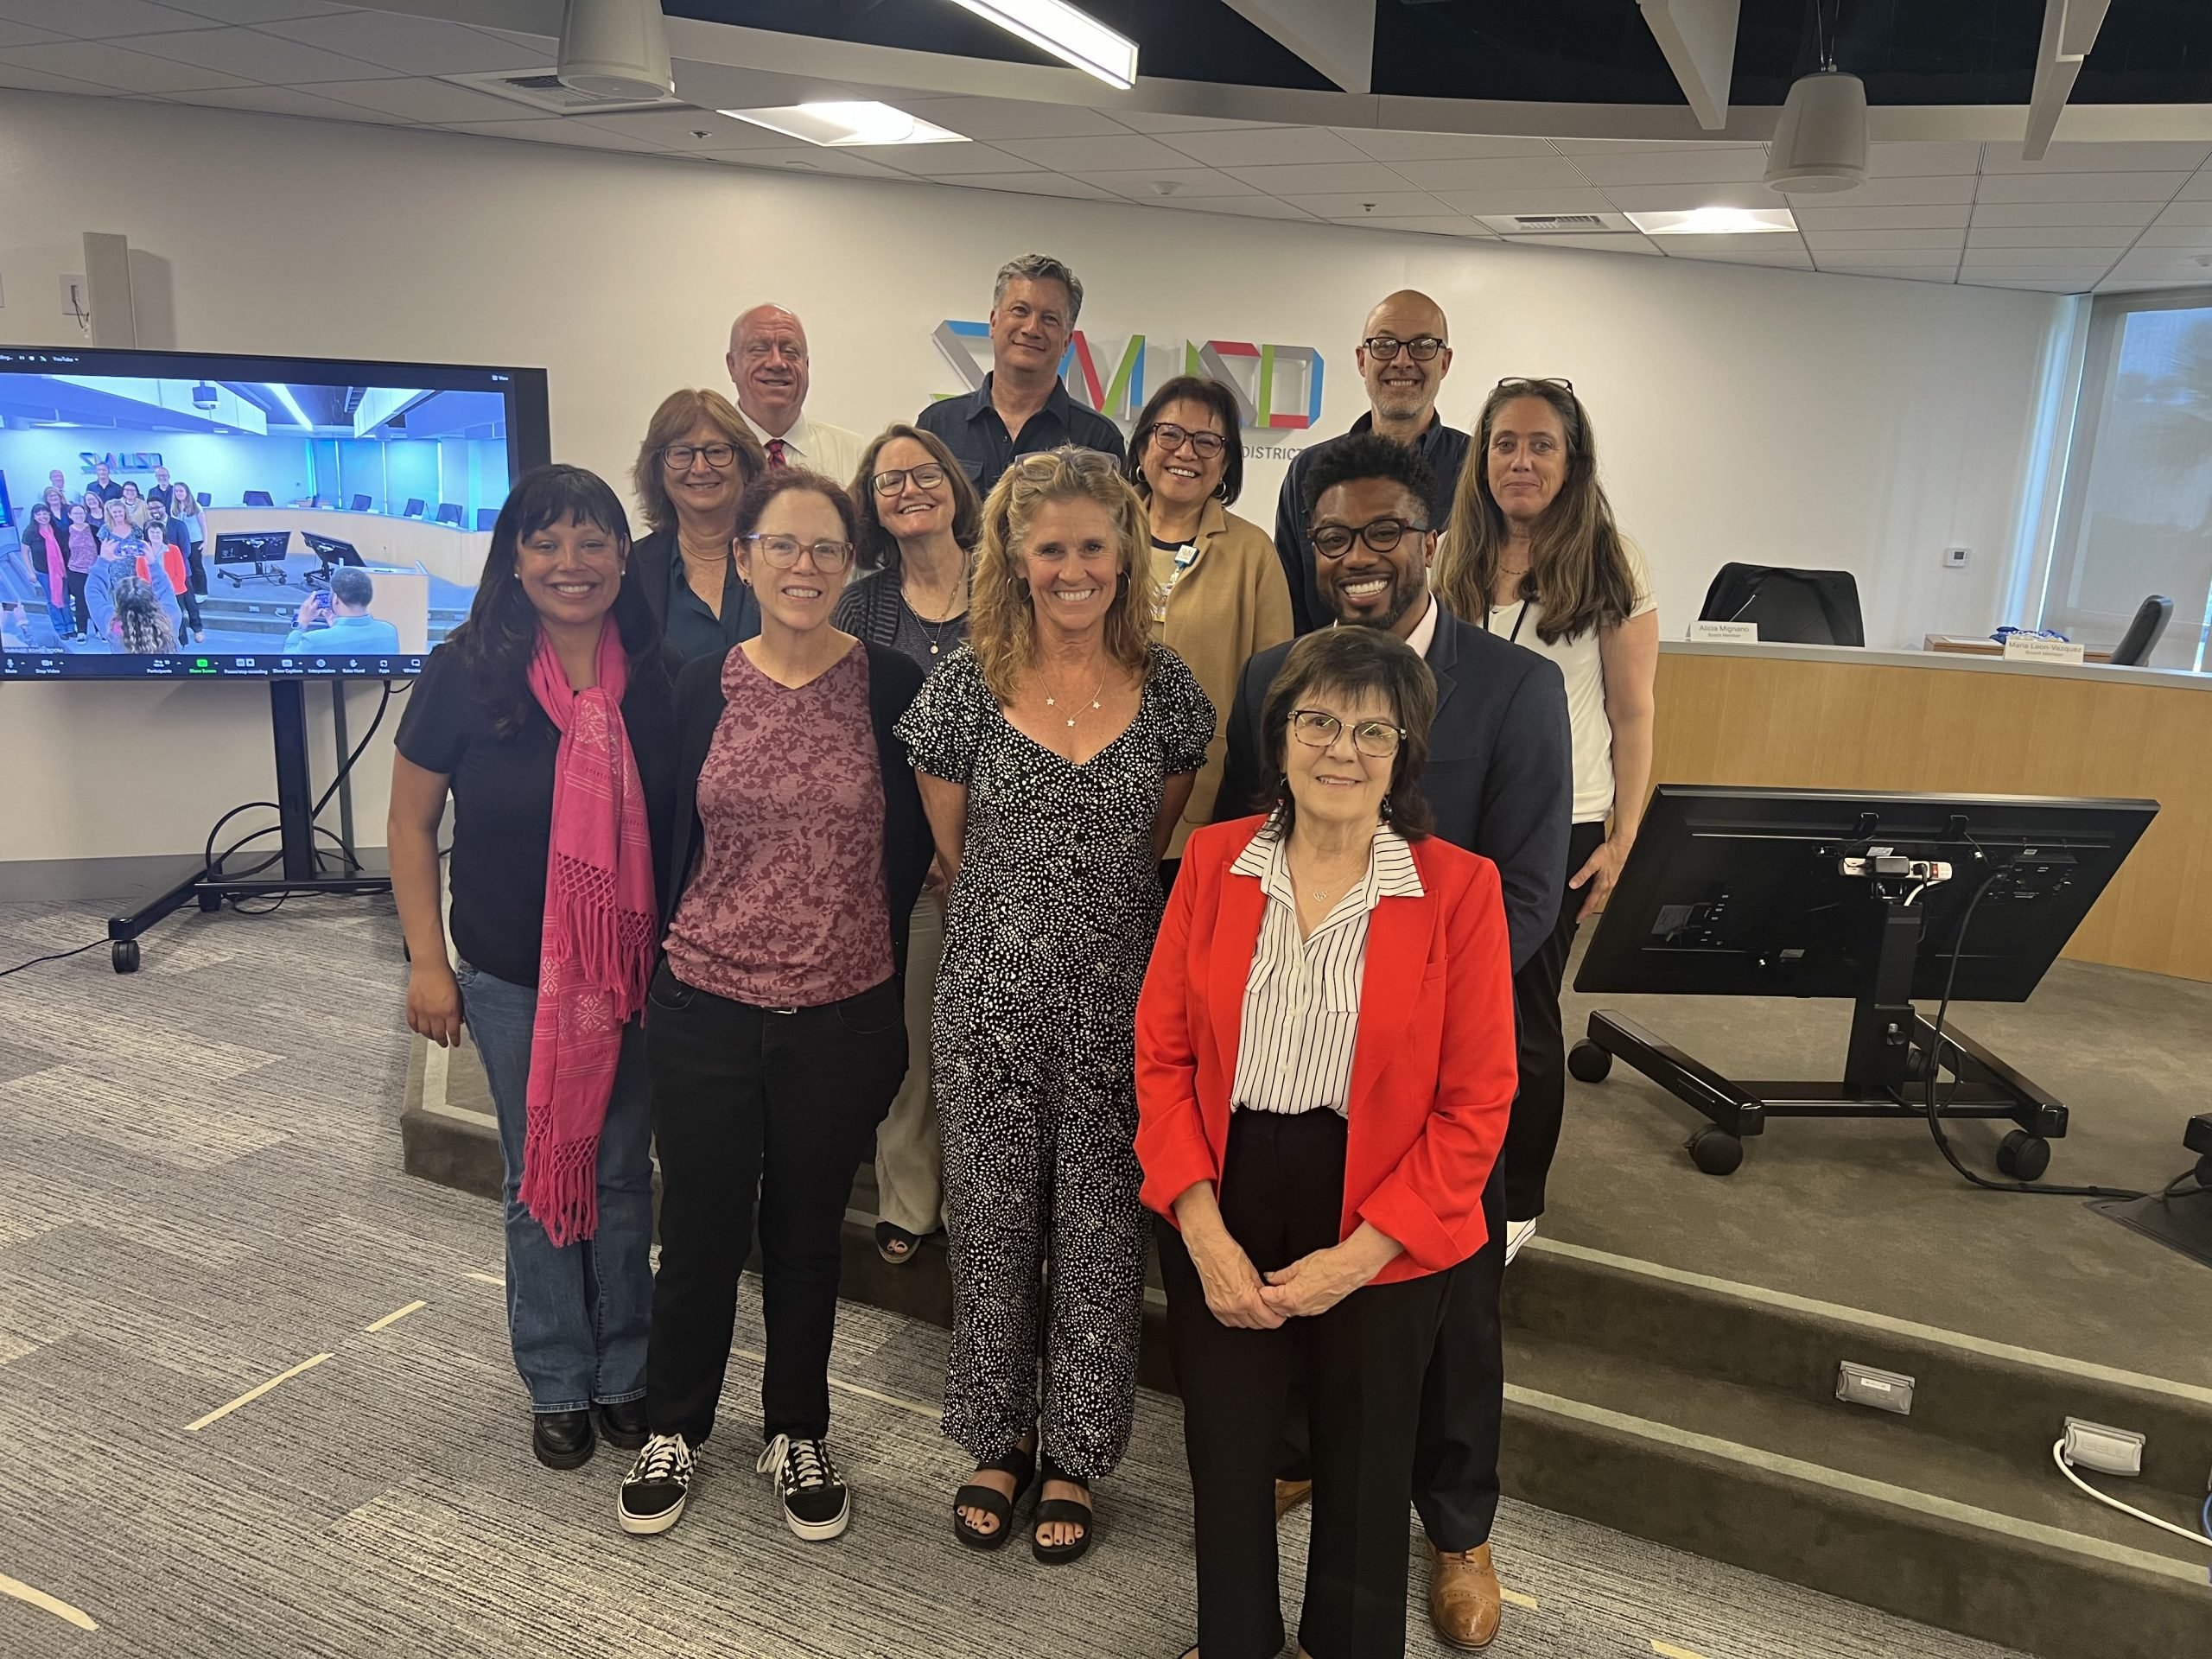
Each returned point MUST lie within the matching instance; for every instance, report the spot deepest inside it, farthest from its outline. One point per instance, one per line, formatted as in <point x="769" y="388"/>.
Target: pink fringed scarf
<point x="596" y="950"/>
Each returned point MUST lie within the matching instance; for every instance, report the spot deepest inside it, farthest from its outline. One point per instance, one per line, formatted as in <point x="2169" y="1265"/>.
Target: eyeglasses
<point x="678" y="457"/>
<point x="1334" y="541"/>
<point x="1561" y="381"/>
<point x="927" y="476"/>
<point x="1376" y="738"/>
<point x="783" y="551"/>
<point x="1168" y="438"/>
<point x="1383" y="347"/>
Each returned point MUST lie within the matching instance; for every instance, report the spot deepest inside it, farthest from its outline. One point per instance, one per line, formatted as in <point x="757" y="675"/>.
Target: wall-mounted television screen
<point x="166" y="514"/>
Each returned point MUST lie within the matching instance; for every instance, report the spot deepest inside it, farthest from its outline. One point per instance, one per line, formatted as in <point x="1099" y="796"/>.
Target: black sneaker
<point x="817" y="1504"/>
<point x="654" y="1490"/>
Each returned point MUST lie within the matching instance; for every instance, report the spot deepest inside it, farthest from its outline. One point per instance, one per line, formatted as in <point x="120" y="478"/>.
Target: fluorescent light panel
<point x="1066" y="33"/>
<point x="1713" y="221"/>
<point x="837" y="125"/>
<point x="283" y="394"/>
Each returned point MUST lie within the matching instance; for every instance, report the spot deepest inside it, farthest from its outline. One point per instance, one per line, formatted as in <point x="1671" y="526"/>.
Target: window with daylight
<point x="2135" y="518"/>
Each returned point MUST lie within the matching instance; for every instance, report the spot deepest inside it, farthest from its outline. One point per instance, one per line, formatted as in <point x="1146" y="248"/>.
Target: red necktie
<point x="776" y="453"/>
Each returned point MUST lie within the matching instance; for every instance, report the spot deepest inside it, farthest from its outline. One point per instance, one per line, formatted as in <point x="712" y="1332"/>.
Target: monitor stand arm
<point x="1885" y="1069"/>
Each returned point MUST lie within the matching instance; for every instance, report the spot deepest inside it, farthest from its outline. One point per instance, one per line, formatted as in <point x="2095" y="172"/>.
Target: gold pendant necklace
<point x="1050" y="703"/>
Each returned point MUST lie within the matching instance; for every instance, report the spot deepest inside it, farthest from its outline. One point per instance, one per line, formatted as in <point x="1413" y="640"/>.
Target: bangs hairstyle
<point x="1351" y="662"/>
<point x="1191" y="388"/>
<point x="875" y="547"/>
<point x="1578" y="570"/>
<point x="678" y="413"/>
<point x="499" y="637"/>
<point x="782" y="481"/>
<point x="1001" y="622"/>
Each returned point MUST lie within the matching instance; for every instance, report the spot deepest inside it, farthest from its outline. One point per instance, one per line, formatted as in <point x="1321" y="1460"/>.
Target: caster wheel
<point x="1715" y="1151"/>
<point x="2024" y="1156"/>
<point x="1588" y="1061"/>
<point x="124" y="953"/>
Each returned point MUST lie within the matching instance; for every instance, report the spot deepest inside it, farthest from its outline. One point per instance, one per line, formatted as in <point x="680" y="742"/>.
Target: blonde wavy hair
<point x="1001" y="618"/>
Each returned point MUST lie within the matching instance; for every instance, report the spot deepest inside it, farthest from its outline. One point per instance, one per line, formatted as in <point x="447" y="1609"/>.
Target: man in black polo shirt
<point x="1022" y="407"/>
<point x="1404" y="353"/>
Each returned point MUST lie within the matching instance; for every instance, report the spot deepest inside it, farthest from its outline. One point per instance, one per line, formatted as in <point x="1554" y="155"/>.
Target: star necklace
<point x="1096" y="690"/>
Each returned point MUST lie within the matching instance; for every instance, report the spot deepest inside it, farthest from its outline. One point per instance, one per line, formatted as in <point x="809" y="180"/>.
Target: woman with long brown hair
<point x="1533" y="553"/>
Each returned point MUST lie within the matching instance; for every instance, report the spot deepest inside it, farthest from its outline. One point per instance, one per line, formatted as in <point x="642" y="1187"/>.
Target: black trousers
<point x="1463" y="1398"/>
<point x="78" y="607"/>
<point x="779" y="1104"/>
<point x="1532" y="1136"/>
<point x="1362" y="1363"/>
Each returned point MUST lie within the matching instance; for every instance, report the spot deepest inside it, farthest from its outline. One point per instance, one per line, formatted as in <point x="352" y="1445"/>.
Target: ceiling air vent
<point x="543" y="90"/>
<point x="1555" y="224"/>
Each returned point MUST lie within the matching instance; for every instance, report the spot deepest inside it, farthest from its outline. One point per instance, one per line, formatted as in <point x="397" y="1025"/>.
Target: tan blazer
<point x="1232" y="603"/>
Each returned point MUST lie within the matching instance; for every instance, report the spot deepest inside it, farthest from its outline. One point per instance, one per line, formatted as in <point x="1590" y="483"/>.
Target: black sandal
<point x="895" y="1244"/>
<point x="1067" y="1511"/>
<point x="1022" y="1465"/>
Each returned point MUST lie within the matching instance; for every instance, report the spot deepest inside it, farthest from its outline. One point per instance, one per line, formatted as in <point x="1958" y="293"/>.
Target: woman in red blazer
<point x="1324" y="1066"/>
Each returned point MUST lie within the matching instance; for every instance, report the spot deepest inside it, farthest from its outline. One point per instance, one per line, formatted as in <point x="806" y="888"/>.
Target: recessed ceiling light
<point x="1715" y="221"/>
<point x="1066" y="33"/>
<point x="837" y="125"/>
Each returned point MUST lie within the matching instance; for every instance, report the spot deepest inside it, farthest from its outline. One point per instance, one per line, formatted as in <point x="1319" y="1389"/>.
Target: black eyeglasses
<point x="1168" y="438"/>
<point x="1334" y="541"/>
<point x="927" y="476"/>
<point x="1561" y="381"/>
<point x="1378" y="739"/>
<point x="1383" y="347"/>
<point x="678" y="457"/>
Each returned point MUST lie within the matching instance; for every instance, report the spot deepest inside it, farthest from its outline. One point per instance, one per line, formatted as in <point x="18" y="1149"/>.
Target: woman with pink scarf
<point x="548" y="717"/>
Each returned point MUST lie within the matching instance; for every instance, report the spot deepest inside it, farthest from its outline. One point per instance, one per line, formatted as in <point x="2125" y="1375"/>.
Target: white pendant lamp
<point x="615" y="49"/>
<point x="1820" y="145"/>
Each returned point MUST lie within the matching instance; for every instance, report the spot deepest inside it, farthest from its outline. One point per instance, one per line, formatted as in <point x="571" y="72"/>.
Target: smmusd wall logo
<point x="1278" y="387"/>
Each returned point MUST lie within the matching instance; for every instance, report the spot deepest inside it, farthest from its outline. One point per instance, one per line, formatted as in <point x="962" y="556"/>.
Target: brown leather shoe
<point x="1289" y="1494"/>
<point x="1465" y="1601"/>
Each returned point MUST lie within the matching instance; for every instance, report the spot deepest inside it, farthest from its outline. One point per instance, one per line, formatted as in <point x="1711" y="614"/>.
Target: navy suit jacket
<point x="1500" y="776"/>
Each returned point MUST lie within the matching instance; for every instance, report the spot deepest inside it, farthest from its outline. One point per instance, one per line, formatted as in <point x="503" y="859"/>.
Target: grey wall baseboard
<point x="106" y="880"/>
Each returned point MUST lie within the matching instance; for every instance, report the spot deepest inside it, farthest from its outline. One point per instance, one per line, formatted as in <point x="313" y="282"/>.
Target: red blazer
<point x="1432" y="1074"/>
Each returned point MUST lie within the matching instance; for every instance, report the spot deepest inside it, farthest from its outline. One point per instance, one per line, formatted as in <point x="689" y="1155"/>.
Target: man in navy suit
<point x="1500" y="779"/>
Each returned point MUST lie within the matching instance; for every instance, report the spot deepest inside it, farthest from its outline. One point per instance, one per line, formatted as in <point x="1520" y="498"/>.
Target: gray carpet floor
<point x="199" y="1191"/>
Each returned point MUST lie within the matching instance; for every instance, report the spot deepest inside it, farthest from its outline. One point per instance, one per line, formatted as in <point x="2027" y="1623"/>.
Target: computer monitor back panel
<point x="1739" y="891"/>
<point x="287" y="456"/>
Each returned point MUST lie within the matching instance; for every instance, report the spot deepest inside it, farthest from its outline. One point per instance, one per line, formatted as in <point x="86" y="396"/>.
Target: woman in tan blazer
<point x="1218" y="593"/>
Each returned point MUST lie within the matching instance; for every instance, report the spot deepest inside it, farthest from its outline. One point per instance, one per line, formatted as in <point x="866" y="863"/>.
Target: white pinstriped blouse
<point x="1301" y="1002"/>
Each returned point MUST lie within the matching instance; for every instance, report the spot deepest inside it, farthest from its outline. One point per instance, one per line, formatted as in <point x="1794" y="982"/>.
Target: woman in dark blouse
<point x="697" y="459"/>
<point x="776" y="1028"/>
<point x="503" y="707"/>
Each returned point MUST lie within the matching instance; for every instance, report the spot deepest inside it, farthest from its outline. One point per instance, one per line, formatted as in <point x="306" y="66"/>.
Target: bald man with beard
<point x="772" y="370"/>
<point x="1402" y="391"/>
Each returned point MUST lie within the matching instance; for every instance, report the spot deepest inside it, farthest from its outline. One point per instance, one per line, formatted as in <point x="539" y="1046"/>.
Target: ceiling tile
<point x="286" y="100"/>
<point x="415" y="45"/>
<point x="1895" y="273"/>
<point x="2079" y="187"/>
<point x="255" y="11"/>
<point x="261" y="57"/>
<point x="2063" y="285"/>
<point x="1439" y="146"/>
<point x="1758" y="242"/>
<point x="1596" y="241"/>
<point x="1331" y="179"/>
<point x="100" y="20"/>
<point x="1422" y="225"/>
<point x="416" y="98"/>
<point x="674" y="129"/>
<point x="1944" y="189"/>
<point x="994" y="119"/>
<point x="1660" y="198"/>
<point x="1674" y="167"/>
<point x="2176" y="236"/>
<point x="117" y="69"/>
<point x="1583" y="200"/>
<point x="943" y="161"/>
<point x="2049" y="236"/>
<point x="1825" y="241"/>
<point x="1265" y="146"/>
<point x="1647" y="146"/>
<point x="817" y="159"/>
<point x="1106" y="152"/>
<point x="1373" y="204"/>
<point x="1874" y="258"/>
<point x="1800" y="260"/>
<point x="2199" y="187"/>
<point x="1146" y="120"/>
<point x="1188" y="181"/>
<point x="1036" y="184"/>
<point x="555" y="132"/>
<point x="15" y="33"/>
<point x="1515" y="173"/>
<point x="2099" y="158"/>
<point x="1881" y="219"/>
<point x="2186" y="213"/>
<point x="1908" y="161"/>
<point x="2074" y="276"/>
<point x="1238" y="207"/>
<point x="45" y="81"/>
<point x="2131" y="214"/>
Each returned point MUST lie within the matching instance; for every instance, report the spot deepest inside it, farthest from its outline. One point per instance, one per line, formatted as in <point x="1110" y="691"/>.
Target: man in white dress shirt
<point x="769" y="366"/>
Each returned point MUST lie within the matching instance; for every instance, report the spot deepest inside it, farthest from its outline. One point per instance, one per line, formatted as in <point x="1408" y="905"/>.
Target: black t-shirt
<point x="503" y="804"/>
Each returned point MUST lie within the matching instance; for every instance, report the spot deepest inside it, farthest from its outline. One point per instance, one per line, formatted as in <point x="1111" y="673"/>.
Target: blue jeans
<point x="577" y="1315"/>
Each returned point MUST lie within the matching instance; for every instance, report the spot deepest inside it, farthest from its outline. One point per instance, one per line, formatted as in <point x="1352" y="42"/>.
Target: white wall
<point x="1742" y="413"/>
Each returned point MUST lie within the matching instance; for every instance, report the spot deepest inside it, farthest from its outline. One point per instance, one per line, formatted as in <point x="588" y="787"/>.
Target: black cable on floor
<point x="58" y="956"/>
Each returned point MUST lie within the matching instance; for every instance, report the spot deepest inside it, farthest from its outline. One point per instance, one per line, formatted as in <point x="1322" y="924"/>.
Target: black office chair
<point x="487" y="518"/>
<point x="2144" y="634"/>
<point x="414" y="507"/>
<point x="259" y="499"/>
<point x="449" y="513"/>
<point x="361" y="504"/>
<point x="1798" y="607"/>
<point x="206" y="499"/>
